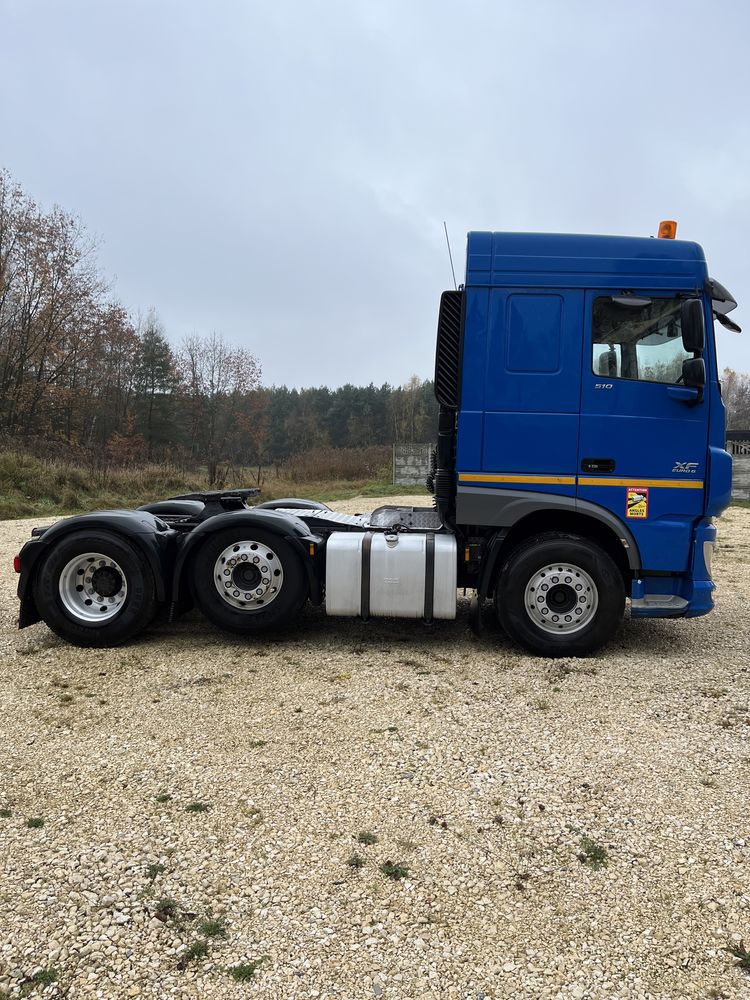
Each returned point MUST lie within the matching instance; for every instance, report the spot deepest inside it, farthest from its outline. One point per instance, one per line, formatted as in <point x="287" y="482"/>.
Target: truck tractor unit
<point x="580" y="464"/>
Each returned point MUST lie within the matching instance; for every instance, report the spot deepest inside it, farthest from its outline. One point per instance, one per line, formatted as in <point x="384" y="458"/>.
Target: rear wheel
<point x="94" y="589"/>
<point x="560" y="595"/>
<point x="248" y="581"/>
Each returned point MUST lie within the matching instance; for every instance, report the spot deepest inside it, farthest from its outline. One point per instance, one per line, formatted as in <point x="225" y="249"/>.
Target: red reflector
<point x="16" y="564"/>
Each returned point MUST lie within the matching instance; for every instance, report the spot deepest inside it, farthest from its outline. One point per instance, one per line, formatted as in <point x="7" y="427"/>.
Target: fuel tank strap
<point x="429" y="576"/>
<point x="364" y="607"/>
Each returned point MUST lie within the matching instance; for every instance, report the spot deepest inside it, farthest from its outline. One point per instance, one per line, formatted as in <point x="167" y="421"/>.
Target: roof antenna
<point x="450" y="255"/>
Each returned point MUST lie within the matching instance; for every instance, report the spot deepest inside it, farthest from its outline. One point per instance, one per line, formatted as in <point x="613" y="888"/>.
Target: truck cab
<point x="580" y="394"/>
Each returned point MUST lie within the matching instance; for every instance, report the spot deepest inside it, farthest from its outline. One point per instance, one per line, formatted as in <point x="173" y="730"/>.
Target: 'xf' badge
<point x="687" y="467"/>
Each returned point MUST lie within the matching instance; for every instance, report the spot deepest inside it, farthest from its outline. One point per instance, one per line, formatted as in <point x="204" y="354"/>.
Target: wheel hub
<point x="248" y="575"/>
<point x="561" y="598"/>
<point x="93" y="588"/>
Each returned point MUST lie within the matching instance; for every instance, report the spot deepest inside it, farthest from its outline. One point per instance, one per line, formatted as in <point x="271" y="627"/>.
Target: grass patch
<point x="35" y="822"/>
<point x="356" y="862"/>
<point x="257" y="744"/>
<point x="245" y="971"/>
<point x="6" y="813"/>
<point x="32" y="486"/>
<point x="197" y="807"/>
<point x="155" y="869"/>
<point x="592" y="854"/>
<point x="163" y="797"/>
<point x="365" y="837"/>
<point x="394" y="870"/>
<point x="213" y="928"/>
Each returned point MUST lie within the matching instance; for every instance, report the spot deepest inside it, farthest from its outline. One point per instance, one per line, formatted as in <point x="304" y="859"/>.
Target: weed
<point x="356" y="862"/>
<point x="198" y="949"/>
<point x="257" y="744"/>
<point x="408" y="845"/>
<point x="197" y="807"/>
<point x="163" y="797"/>
<point x="6" y="813"/>
<point x="166" y="909"/>
<point x="155" y="869"/>
<point x="66" y="699"/>
<point x="213" y="928"/>
<point x="245" y="971"/>
<point x="43" y="977"/>
<point x="593" y="854"/>
<point x="740" y="952"/>
<point x="365" y="837"/>
<point x="35" y="822"/>
<point x="394" y="870"/>
<point x="541" y="704"/>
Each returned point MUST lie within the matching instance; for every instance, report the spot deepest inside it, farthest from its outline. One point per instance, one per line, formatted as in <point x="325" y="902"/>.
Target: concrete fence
<point x="411" y="464"/>
<point x="738" y="445"/>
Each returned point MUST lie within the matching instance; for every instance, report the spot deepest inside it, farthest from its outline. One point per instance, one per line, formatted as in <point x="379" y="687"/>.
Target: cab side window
<point x="639" y="340"/>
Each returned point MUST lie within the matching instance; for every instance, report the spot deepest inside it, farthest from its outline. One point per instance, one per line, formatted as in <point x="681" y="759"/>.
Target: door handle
<point x="685" y="393"/>
<point x="598" y="465"/>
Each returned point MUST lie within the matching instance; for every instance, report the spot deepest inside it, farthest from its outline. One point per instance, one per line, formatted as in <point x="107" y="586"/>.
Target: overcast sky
<point x="279" y="171"/>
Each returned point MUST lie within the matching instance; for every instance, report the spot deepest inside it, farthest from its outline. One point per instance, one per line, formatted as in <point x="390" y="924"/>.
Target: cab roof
<point x="563" y="260"/>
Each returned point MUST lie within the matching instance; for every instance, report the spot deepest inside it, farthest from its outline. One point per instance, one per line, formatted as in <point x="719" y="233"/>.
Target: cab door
<point x="643" y="436"/>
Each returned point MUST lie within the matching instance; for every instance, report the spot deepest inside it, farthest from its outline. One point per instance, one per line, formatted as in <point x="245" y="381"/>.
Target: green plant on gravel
<point x="356" y="862"/>
<point x="740" y="952"/>
<point x="6" y="813"/>
<point x="166" y="909"/>
<point x="163" y="797"/>
<point x="155" y="869"/>
<point x="593" y="854"/>
<point x="35" y="822"/>
<point x="197" y="807"/>
<point x="365" y="837"/>
<point x="43" y="977"/>
<point x="257" y="744"/>
<point x="198" y="949"/>
<point x="245" y="971"/>
<point x="394" y="870"/>
<point x="213" y="928"/>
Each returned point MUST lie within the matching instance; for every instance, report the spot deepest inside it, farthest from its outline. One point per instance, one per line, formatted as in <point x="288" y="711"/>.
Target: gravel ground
<point x="565" y="829"/>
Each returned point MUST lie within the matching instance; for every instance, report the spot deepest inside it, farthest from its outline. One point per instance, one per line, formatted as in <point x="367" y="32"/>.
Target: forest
<point x="83" y="378"/>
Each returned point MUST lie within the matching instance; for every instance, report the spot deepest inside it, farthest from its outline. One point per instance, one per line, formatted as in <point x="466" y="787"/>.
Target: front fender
<point x="287" y="526"/>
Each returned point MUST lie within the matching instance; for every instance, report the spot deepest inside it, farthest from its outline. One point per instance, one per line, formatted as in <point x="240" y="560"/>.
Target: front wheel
<point x="248" y="581"/>
<point x="560" y="595"/>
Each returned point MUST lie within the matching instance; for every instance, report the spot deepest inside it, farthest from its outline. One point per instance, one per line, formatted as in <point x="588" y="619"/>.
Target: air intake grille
<point x="448" y="354"/>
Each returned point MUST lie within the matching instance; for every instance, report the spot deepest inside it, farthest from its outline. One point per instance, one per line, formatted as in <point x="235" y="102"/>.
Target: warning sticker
<point x="636" y="504"/>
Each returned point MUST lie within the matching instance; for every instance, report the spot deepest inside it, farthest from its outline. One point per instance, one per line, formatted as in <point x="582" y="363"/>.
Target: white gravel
<point x="480" y="769"/>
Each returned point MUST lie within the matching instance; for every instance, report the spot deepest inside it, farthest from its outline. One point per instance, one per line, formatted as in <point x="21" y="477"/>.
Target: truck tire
<point x="94" y="589"/>
<point x="559" y="595"/>
<point x="247" y="580"/>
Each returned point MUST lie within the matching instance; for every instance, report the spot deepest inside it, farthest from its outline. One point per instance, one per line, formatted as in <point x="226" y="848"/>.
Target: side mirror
<point x="694" y="375"/>
<point x="693" y="327"/>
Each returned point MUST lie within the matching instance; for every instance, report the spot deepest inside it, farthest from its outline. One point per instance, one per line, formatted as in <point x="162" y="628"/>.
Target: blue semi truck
<point x="580" y="463"/>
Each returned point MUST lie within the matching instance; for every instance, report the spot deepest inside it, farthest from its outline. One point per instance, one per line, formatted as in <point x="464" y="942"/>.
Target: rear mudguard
<point x="153" y="538"/>
<point x="287" y="526"/>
